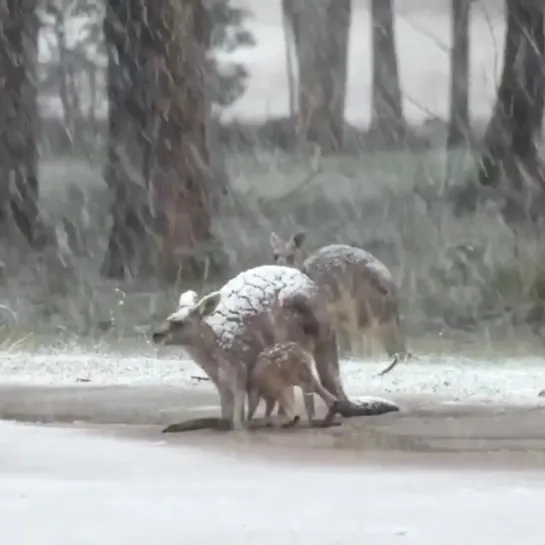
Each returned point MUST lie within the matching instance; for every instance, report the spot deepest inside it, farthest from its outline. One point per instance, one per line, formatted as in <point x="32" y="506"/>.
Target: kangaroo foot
<point x="329" y="421"/>
<point x="207" y="423"/>
<point x="349" y="409"/>
<point x="291" y="422"/>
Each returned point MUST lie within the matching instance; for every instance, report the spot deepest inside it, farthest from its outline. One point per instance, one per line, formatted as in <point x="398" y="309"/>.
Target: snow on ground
<point x="66" y="486"/>
<point x="464" y="379"/>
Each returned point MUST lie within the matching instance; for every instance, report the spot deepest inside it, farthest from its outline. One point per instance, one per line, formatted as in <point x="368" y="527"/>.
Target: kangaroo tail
<point x="397" y="358"/>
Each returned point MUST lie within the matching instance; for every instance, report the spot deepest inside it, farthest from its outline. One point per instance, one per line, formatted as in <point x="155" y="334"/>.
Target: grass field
<point x="456" y="274"/>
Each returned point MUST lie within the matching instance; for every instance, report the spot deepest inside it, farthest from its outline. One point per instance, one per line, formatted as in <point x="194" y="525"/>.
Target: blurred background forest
<point x="149" y="145"/>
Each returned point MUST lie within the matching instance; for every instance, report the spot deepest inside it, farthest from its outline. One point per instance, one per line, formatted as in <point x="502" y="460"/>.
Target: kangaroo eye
<point x="276" y="257"/>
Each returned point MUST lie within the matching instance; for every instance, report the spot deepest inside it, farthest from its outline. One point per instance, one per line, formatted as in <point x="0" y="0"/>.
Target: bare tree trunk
<point x="92" y="112"/>
<point x="509" y="146"/>
<point x="182" y="174"/>
<point x="321" y="35"/>
<point x="19" y="120"/>
<point x="129" y="147"/>
<point x="459" y="124"/>
<point x="387" y="119"/>
<point x="59" y="30"/>
<point x="340" y="18"/>
<point x="75" y="103"/>
<point x="219" y="179"/>
<point x="289" y="26"/>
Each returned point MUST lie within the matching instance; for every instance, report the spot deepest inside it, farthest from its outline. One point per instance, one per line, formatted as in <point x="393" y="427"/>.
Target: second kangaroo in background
<point x="277" y="370"/>
<point x="362" y="294"/>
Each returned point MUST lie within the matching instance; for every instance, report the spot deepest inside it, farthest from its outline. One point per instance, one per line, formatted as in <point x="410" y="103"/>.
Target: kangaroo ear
<point x="275" y="241"/>
<point x="208" y="304"/>
<point x="298" y="239"/>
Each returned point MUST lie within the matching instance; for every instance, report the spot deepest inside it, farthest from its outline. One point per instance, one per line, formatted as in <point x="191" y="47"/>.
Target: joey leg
<point x="286" y="400"/>
<point x="270" y="404"/>
<point x="291" y="423"/>
<point x="310" y="408"/>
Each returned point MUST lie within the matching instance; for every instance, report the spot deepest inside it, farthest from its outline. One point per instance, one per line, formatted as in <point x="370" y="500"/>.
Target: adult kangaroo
<point x="256" y="309"/>
<point x="361" y="292"/>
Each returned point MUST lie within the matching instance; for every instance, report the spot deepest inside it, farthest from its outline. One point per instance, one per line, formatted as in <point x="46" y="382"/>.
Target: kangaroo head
<point x="185" y="326"/>
<point x="287" y="252"/>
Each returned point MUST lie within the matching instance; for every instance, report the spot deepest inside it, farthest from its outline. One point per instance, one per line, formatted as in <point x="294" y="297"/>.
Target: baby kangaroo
<point x="277" y="370"/>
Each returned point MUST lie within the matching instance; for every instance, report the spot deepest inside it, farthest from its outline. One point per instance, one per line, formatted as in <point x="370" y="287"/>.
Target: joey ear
<point x="208" y="304"/>
<point x="275" y="241"/>
<point x="298" y="239"/>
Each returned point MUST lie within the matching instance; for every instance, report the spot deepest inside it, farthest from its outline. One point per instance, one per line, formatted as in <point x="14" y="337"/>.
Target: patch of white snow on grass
<point x="96" y="368"/>
<point x="458" y="379"/>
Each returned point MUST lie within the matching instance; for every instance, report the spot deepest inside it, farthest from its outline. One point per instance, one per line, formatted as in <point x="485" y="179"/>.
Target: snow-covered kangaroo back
<point x="243" y="321"/>
<point x="362" y="294"/>
<point x="256" y="309"/>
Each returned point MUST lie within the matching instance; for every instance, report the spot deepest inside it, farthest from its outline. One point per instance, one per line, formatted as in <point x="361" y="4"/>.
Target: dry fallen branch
<point x="199" y="378"/>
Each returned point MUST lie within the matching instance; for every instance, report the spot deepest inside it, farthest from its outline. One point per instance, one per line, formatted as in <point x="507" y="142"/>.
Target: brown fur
<point x="277" y="370"/>
<point x="261" y="317"/>
<point x="362" y="295"/>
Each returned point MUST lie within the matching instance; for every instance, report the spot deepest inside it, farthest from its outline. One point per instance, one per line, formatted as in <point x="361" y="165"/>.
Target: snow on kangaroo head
<point x="187" y="302"/>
